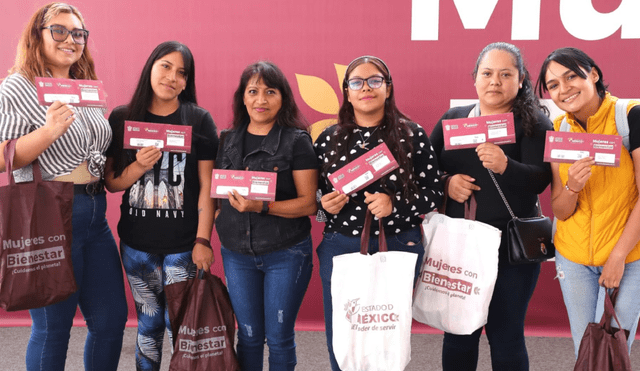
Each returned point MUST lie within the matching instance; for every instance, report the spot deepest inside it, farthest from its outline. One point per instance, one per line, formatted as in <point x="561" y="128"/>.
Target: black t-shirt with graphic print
<point x="405" y="215"/>
<point x="159" y="213"/>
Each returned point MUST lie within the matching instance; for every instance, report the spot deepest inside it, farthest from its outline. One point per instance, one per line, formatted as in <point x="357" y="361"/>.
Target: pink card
<point x="364" y="170"/>
<point x="252" y="185"/>
<point x="563" y="146"/>
<point x="470" y="132"/>
<point x="166" y="137"/>
<point x="78" y="93"/>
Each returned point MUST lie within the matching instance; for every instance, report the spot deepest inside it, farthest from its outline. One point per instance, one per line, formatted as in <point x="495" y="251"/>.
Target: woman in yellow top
<point x="598" y="231"/>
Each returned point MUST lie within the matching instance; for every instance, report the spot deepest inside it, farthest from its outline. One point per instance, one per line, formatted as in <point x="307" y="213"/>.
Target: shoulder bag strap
<point x="622" y="121"/>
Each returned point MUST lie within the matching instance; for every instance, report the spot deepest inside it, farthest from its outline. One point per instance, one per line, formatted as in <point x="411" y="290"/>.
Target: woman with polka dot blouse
<point x="367" y="118"/>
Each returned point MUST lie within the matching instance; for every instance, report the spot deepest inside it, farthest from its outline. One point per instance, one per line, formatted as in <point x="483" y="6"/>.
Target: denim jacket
<point x="251" y="233"/>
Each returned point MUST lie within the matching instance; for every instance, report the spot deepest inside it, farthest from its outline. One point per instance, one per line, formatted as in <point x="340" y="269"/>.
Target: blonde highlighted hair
<point x="30" y="60"/>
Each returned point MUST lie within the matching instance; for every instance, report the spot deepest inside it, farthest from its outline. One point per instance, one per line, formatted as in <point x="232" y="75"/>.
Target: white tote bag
<point x="458" y="273"/>
<point x="371" y="298"/>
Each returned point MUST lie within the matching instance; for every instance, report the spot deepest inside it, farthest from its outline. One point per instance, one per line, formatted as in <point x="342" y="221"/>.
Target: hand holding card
<point x="147" y="157"/>
<point x="469" y="132"/>
<point x="364" y="170"/>
<point x="252" y="185"/>
<point x="568" y="147"/>
<point x="80" y="93"/>
<point x="166" y="137"/>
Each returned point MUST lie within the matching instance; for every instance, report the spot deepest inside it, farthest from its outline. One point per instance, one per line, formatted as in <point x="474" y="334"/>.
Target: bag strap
<point x="470" y="206"/>
<point x="504" y="199"/>
<point x="366" y="231"/>
<point x="9" y="153"/>
<point x="609" y="310"/>
<point x="622" y="121"/>
<point x="9" y="156"/>
<point x="564" y="125"/>
<point x="201" y="273"/>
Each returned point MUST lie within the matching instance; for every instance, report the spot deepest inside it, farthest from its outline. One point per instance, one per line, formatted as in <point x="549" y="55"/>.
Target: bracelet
<point x="566" y="186"/>
<point x="202" y="241"/>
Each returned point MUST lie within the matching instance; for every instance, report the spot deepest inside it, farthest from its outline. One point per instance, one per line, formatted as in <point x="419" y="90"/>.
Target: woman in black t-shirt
<point x="266" y="246"/>
<point x="369" y="116"/>
<point x="503" y="85"/>
<point x="166" y="213"/>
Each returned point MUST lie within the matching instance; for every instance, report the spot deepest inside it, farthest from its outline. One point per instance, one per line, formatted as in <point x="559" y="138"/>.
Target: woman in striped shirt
<point x="69" y="144"/>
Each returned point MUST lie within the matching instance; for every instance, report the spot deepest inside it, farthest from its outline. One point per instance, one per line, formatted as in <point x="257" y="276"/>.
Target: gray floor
<point x="546" y="354"/>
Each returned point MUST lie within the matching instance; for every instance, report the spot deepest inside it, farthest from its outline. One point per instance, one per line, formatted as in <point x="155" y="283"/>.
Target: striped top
<point x="86" y="139"/>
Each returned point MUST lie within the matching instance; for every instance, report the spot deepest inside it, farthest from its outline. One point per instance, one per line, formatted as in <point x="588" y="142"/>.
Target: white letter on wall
<point x="424" y="19"/>
<point x="525" y="20"/>
<point x="475" y="14"/>
<point x="584" y="22"/>
<point x="425" y="16"/>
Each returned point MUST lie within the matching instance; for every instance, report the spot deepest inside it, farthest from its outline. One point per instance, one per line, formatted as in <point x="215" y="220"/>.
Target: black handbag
<point x="529" y="239"/>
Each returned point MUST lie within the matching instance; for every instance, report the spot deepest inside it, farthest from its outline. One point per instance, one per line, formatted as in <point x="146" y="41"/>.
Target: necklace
<point x="365" y="143"/>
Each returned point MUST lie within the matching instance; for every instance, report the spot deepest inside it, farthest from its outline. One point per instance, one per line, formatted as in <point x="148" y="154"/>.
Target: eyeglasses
<point x="357" y="83"/>
<point x="60" y="33"/>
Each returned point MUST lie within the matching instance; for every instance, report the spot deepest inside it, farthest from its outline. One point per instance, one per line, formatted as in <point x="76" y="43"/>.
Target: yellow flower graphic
<point x="320" y="96"/>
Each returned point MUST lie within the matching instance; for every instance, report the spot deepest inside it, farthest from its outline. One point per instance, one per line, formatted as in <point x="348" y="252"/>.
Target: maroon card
<point x="470" y="132"/>
<point x="564" y="146"/>
<point x="364" y="170"/>
<point x="78" y="93"/>
<point x="166" y="137"/>
<point x="252" y="185"/>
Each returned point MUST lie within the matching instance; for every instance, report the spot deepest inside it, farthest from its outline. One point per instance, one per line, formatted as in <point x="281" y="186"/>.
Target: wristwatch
<point x="265" y="208"/>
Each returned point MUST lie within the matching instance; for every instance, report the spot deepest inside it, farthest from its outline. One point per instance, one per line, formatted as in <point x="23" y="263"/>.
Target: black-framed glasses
<point x="357" y="83"/>
<point x="60" y="33"/>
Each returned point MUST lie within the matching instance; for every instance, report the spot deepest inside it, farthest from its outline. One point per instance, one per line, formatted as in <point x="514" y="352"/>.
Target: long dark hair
<point x="572" y="59"/>
<point x="394" y="128"/>
<point x="143" y="95"/>
<point x="289" y="114"/>
<point x="526" y="104"/>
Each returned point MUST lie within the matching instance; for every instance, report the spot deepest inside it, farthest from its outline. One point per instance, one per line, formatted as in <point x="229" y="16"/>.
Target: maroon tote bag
<point x="604" y="347"/>
<point x="35" y="233"/>
<point x="203" y="325"/>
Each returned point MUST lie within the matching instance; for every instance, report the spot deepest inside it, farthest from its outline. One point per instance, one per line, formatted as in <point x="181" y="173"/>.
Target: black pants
<point x="504" y="328"/>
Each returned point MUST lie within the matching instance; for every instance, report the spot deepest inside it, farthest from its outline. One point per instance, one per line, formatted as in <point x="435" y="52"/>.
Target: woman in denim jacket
<point x="266" y="246"/>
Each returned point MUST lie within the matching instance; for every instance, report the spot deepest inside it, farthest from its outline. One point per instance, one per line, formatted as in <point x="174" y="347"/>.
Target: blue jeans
<point x="584" y="298"/>
<point x="147" y="274"/>
<point x="334" y="244"/>
<point x="505" y="324"/>
<point x="100" y="295"/>
<point x="266" y="292"/>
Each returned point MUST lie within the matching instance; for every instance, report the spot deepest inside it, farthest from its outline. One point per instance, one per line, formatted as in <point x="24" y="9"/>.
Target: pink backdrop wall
<point x="313" y="41"/>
